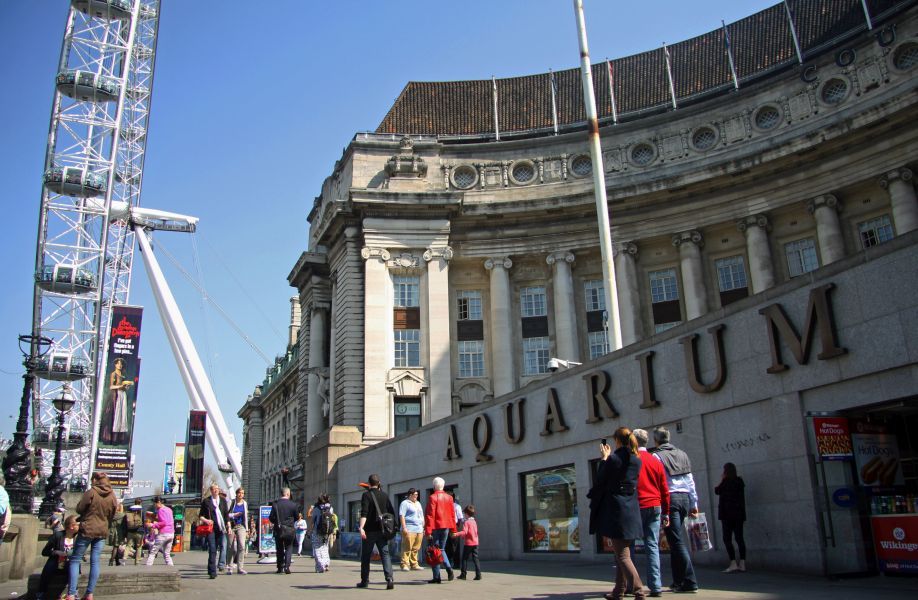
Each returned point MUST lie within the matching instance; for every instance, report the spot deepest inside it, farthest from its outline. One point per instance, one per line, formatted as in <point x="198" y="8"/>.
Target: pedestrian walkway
<point x="552" y="579"/>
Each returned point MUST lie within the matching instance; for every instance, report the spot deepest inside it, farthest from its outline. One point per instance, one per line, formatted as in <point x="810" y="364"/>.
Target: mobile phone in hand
<point x="603" y="442"/>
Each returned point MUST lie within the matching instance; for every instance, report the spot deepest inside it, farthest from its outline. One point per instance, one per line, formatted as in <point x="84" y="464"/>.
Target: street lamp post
<point x="17" y="462"/>
<point x="54" y="488"/>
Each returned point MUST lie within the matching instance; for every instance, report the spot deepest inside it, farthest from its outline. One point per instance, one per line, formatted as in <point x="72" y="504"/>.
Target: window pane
<point x="550" y="510"/>
<point x="471" y="358"/>
<point x="663" y="285"/>
<point x="469" y="303"/>
<point x="599" y="344"/>
<point x="661" y="327"/>
<point x="407" y="347"/>
<point x="875" y="231"/>
<point x="595" y="295"/>
<point x="407" y="416"/>
<point x="406" y="291"/>
<point x="535" y="355"/>
<point x="532" y="301"/>
<point x="731" y="273"/>
<point x="801" y="257"/>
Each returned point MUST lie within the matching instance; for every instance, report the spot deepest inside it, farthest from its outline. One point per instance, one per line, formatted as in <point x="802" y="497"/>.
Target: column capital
<point x="629" y="249"/>
<point x="758" y="220"/>
<point x="441" y="252"/>
<point x="560" y="256"/>
<point x="379" y="253"/>
<point x="498" y="261"/>
<point x="901" y="173"/>
<point x="829" y="200"/>
<point x="351" y="232"/>
<point x="692" y="236"/>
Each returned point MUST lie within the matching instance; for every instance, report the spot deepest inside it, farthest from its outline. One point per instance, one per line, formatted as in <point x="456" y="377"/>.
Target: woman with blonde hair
<point x="614" y="509"/>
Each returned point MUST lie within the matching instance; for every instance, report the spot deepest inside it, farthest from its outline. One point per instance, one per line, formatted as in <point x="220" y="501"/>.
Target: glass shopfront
<point x="550" y="518"/>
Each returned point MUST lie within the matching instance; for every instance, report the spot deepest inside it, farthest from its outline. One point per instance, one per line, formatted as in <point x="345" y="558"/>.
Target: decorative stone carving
<point x="625" y="248"/>
<point x="441" y="252"/>
<point x="381" y="253"/>
<point x="828" y="200"/>
<point x="694" y="236"/>
<point x="405" y="260"/>
<point x="500" y="261"/>
<point x="554" y="257"/>
<point x="753" y="221"/>
<point x="902" y="174"/>
<point x="406" y="382"/>
<point x="406" y="164"/>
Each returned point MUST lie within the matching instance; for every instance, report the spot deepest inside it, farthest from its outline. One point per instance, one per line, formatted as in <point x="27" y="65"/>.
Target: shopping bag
<point x="698" y="533"/>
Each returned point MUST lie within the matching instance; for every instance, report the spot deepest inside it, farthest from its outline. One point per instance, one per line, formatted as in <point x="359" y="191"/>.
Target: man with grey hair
<point x="439" y="522"/>
<point x="653" y="499"/>
<point x="283" y="515"/>
<point x="683" y="502"/>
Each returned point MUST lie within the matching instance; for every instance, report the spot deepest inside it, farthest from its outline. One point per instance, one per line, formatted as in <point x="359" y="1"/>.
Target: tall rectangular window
<point x="535" y="355"/>
<point x="469" y="305"/>
<point x="594" y="295"/>
<point x="594" y="292"/>
<point x="801" y="257"/>
<point x="407" y="415"/>
<point x="407" y="348"/>
<point x="471" y="358"/>
<point x="664" y="297"/>
<point x="406" y="290"/>
<point x="731" y="279"/>
<point x="875" y="231"/>
<point x="532" y="302"/>
<point x="599" y="343"/>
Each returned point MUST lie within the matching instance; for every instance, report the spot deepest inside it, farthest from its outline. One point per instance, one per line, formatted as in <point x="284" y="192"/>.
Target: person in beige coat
<point x="96" y="509"/>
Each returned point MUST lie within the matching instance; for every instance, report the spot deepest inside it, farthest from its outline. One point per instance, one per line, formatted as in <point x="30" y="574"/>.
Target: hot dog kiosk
<point x="867" y="464"/>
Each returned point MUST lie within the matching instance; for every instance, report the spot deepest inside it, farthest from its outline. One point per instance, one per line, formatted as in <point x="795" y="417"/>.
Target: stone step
<point x="140" y="581"/>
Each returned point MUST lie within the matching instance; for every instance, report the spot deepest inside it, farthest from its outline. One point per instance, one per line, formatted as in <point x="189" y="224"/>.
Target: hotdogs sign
<point x="819" y="322"/>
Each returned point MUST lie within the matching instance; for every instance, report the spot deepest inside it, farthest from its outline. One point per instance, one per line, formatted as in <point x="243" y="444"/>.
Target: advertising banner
<point x="194" y="452"/>
<point x="119" y="399"/>
<point x="178" y="466"/>
<point x="895" y="538"/>
<point x="833" y="438"/>
<point x="877" y="458"/>
<point x="265" y="531"/>
<point x="167" y="474"/>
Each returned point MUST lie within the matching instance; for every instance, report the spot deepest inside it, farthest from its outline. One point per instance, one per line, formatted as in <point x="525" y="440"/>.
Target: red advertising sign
<point x="833" y="438"/>
<point x="895" y="538"/>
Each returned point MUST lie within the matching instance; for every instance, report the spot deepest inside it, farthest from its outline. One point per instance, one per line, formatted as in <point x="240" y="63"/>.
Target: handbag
<point x="204" y="529"/>
<point x="433" y="556"/>
<point x="698" y="533"/>
<point x="386" y="520"/>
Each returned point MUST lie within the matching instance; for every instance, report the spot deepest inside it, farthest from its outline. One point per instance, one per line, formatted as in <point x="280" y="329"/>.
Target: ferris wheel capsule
<point x="74" y="181"/>
<point x="104" y="9"/>
<point x="62" y="367"/>
<point x="46" y="437"/>
<point x="87" y="86"/>
<point x="65" y="279"/>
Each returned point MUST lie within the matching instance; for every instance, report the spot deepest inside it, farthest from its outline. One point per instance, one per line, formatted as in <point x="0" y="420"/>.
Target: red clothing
<point x="440" y="513"/>
<point x="652" y="487"/>
<point x="469" y="532"/>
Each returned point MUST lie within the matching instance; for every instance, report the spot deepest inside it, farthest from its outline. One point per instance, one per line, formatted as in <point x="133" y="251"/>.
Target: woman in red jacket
<point x="439" y="522"/>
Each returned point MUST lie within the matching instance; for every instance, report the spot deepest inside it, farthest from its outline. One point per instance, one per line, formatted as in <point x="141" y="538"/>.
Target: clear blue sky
<point x="251" y="107"/>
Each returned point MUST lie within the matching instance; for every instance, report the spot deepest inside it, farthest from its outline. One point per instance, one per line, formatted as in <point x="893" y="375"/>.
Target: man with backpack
<point x="133" y="525"/>
<point x="377" y="526"/>
<point x="323" y="525"/>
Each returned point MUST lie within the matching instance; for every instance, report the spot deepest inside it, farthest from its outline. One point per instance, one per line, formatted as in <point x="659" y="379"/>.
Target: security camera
<point x="556" y="363"/>
<point x="553" y="364"/>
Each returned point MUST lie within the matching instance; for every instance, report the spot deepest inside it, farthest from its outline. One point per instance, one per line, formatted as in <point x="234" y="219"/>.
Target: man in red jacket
<point x="653" y="498"/>
<point x="439" y="522"/>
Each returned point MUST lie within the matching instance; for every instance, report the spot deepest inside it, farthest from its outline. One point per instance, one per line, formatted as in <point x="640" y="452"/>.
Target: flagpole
<point x="793" y="30"/>
<point x="730" y="54"/>
<point x="867" y="15"/>
<point x="554" y="103"/>
<point x="612" y="91"/>
<point x="613" y="323"/>
<point x="494" y="94"/>
<point x="669" y="75"/>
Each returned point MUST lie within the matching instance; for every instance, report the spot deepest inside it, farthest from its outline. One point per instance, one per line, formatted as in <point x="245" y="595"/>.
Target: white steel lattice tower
<point x="95" y="155"/>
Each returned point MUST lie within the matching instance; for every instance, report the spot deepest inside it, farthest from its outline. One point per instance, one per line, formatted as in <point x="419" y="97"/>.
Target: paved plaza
<point x="552" y="579"/>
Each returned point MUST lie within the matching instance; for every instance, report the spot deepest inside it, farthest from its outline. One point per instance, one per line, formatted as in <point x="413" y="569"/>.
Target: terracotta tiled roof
<point x="759" y="43"/>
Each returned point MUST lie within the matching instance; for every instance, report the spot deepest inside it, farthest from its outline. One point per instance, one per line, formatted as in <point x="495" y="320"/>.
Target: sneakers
<point x="418" y="568"/>
<point x="404" y="568"/>
<point x="449" y="575"/>
<point x="684" y="589"/>
<point x="363" y="584"/>
<point x="242" y="572"/>
<point x="438" y="580"/>
<point x="390" y="585"/>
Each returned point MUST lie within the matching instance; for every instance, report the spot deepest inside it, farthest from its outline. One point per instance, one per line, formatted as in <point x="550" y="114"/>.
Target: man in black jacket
<point x="371" y="533"/>
<point x="283" y="516"/>
<point x="214" y="511"/>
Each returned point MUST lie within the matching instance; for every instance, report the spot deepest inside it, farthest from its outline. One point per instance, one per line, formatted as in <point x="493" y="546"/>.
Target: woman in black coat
<point x="614" y="510"/>
<point x="58" y="549"/>
<point x="731" y="510"/>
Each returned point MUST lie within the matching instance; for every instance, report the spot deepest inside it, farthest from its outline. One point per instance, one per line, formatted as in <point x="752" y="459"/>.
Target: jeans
<point x="214" y="543"/>
<point x="683" y="572"/>
<point x="411" y="545"/>
<point x="236" y="556"/>
<point x="439" y="537"/>
<point x="374" y="538"/>
<point x="79" y="549"/>
<point x="650" y="518"/>
<point x="221" y="559"/>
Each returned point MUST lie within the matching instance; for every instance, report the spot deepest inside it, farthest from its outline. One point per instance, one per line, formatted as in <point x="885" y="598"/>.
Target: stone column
<point x="377" y="343"/>
<point x="629" y="296"/>
<point x="440" y="377"/>
<point x="502" y="358"/>
<point x="825" y="210"/>
<point x="689" y="244"/>
<point x="318" y="326"/>
<point x="294" y="328"/>
<point x="898" y="183"/>
<point x="568" y="347"/>
<point x="761" y="267"/>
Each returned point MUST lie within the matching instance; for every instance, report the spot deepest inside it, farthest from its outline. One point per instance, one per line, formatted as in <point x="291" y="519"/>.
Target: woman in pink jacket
<point x="164" y="528"/>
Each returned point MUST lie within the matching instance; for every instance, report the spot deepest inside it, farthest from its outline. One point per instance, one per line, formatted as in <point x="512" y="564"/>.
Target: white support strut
<point x="190" y="366"/>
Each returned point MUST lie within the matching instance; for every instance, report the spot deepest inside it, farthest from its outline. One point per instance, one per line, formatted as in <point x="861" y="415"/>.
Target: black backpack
<point x="387" y="526"/>
<point x="326" y="524"/>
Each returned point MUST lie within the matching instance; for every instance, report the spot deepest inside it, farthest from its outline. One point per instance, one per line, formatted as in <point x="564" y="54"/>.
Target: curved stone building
<point x="454" y="251"/>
